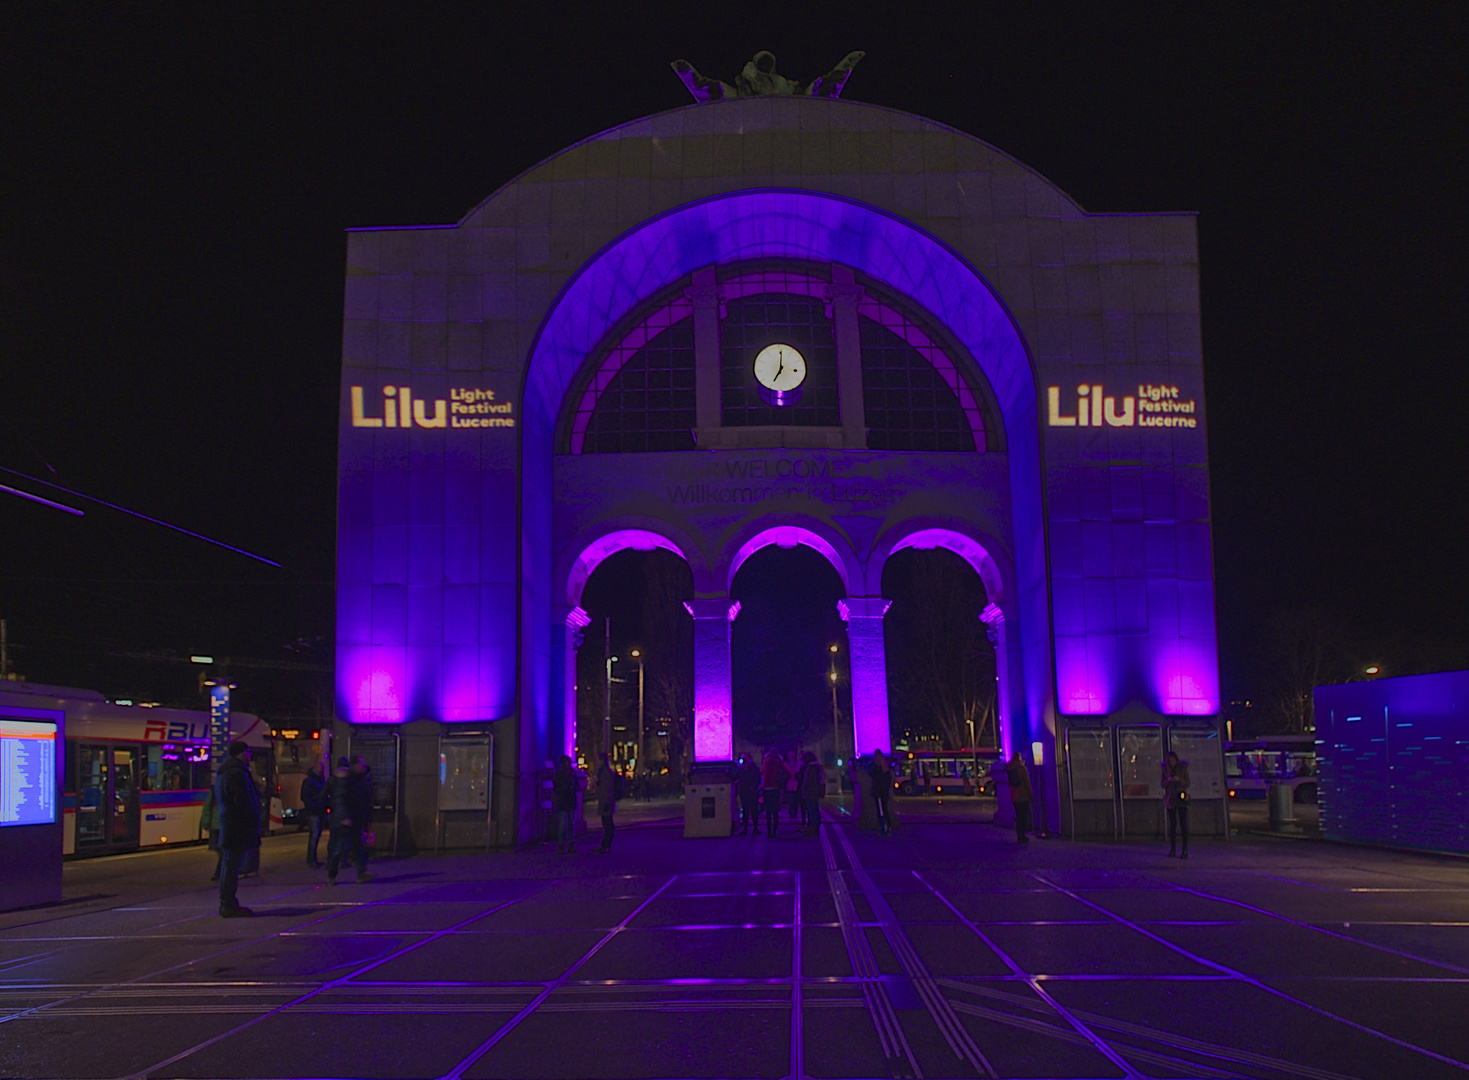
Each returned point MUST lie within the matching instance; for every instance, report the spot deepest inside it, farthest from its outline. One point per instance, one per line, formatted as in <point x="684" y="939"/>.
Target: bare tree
<point x="669" y="653"/>
<point x="1307" y="649"/>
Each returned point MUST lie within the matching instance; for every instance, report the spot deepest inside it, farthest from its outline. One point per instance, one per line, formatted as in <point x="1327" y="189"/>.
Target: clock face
<point x="780" y="368"/>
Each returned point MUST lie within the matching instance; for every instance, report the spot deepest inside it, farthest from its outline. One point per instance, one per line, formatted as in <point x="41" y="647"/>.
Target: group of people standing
<point x="343" y="806"/>
<point x="342" y="803"/>
<point x="795" y="782"/>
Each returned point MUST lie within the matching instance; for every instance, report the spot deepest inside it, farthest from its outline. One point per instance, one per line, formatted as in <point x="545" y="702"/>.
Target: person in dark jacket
<point x="880" y="775"/>
<point x="239" y="823"/>
<point x="749" y="788"/>
<point x="563" y="804"/>
<point x="313" y="806"/>
<point x="1020" y="796"/>
<point x="349" y="811"/>
<point x="1175" y="801"/>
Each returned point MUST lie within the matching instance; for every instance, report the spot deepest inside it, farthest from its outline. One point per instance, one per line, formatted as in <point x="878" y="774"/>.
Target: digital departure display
<point x="27" y="772"/>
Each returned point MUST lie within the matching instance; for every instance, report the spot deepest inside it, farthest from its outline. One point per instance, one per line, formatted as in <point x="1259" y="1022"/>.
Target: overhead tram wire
<point x="124" y="510"/>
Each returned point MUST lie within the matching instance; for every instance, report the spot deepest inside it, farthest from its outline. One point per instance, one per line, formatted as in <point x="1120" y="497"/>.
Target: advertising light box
<point x="27" y="772"/>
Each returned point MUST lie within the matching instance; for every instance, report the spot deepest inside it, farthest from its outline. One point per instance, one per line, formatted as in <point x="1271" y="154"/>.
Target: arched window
<point x="641" y="395"/>
<point x="913" y="395"/>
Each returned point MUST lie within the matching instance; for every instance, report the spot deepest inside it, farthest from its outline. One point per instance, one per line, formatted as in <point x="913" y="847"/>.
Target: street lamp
<point x="638" y="656"/>
<point x="607" y="715"/>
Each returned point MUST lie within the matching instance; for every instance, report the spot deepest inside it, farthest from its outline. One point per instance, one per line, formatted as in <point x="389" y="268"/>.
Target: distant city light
<point x="201" y="659"/>
<point x="122" y="701"/>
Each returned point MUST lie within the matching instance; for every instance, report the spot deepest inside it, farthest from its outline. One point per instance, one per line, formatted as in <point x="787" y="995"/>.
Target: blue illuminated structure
<point x="1394" y="761"/>
<point x="477" y="358"/>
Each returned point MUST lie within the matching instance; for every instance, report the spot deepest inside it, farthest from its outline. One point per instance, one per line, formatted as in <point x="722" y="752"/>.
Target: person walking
<point x="239" y="823"/>
<point x="749" y="789"/>
<point x="773" y="774"/>
<point x="313" y="808"/>
<point x="793" y="785"/>
<point x="347" y="814"/>
<point x="209" y="823"/>
<point x="880" y="775"/>
<point x="813" y="789"/>
<point x="1175" y="801"/>
<point x="1020" y="796"/>
<point x="563" y="804"/>
<point x="609" y="788"/>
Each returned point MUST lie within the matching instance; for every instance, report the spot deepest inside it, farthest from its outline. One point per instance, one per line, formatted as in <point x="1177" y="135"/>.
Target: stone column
<point x="713" y="709"/>
<point x="575" y="621"/>
<point x="845" y="292"/>
<point x="868" y="655"/>
<point x="708" y="406"/>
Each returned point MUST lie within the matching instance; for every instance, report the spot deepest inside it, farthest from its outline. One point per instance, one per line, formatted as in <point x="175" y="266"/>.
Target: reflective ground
<point x="941" y="951"/>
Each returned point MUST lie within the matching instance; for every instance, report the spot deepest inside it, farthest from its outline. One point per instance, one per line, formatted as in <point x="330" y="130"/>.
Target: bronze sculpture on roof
<point x="759" y="79"/>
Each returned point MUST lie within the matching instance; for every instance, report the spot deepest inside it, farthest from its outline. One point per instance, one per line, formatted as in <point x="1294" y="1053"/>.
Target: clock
<point x="780" y="369"/>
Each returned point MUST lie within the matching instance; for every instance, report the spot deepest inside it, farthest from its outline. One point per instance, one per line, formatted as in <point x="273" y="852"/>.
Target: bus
<point x="945" y="772"/>
<point x="134" y="777"/>
<point x="1252" y="765"/>
<point x="294" y="751"/>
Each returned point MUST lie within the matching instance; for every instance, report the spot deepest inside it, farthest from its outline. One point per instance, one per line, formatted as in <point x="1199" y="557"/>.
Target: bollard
<point x="1282" y="805"/>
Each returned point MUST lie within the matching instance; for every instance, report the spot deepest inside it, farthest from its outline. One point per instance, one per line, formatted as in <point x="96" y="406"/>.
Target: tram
<point x="1251" y="766"/>
<point x="135" y="777"/>
<point x="939" y="772"/>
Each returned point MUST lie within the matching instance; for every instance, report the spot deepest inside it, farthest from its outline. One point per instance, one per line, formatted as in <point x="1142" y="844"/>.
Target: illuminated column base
<point x="576" y="622"/>
<point x="868" y="656"/>
<point x="713" y="707"/>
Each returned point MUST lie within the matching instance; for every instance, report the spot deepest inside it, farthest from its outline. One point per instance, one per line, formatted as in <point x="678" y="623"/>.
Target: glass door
<point x="93" y="796"/>
<point x="125" y="802"/>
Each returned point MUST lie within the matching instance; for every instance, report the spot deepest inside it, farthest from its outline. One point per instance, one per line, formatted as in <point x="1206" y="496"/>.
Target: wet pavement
<point x="942" y="951"/>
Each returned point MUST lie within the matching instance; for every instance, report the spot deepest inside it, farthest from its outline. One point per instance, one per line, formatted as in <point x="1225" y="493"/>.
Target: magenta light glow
<point x="377" y="686"/>
<point x="713" y="708"/>
<point x="787" y="537"/>
<point x="1187" y="680"/>
<point x="599" y="550"/>
<point x="1083" y="679"/>
<point x="867" y="656"/>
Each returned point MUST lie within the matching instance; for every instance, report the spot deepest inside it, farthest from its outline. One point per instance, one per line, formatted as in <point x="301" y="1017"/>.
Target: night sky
<point x="177" y="180"/>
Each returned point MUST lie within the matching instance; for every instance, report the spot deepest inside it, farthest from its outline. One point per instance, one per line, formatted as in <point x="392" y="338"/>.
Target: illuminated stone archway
<point x="573" y="619"/>
<point x="812" y="226"/>
<point x="977" y="555"/>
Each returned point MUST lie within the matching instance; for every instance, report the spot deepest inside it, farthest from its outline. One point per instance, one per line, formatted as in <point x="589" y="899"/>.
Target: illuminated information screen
<point x="27" y="772"/>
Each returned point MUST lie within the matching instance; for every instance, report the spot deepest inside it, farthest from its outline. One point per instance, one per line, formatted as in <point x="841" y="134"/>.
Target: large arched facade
<point x="563" y="374"/>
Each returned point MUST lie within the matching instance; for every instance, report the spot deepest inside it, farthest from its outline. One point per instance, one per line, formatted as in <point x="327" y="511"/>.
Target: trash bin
<point x="708" y="808"/>
<point x="1282" y="805"/>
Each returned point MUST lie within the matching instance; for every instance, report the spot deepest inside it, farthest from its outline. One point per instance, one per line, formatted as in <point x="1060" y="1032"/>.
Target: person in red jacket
<point x="773" y="774"/>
